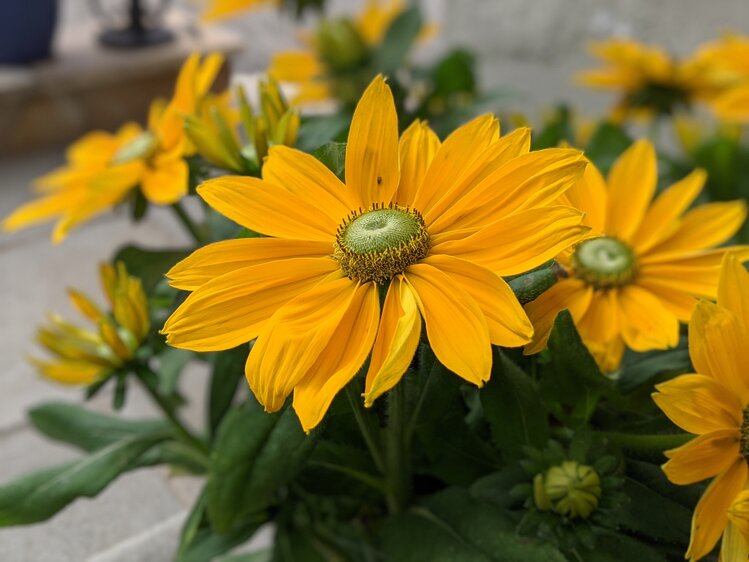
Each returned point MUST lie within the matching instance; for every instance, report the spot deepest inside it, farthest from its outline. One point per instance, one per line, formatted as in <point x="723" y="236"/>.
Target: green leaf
<point x="572" y="378"/>
<point x="606" y="144"/>
<point x="171" y="363"/>
<point x="149" y="265"/>
<point x="254" y="454"/>
<point x="333" y="155"/>
<point x="452" y="526"/>
<point x="38" y="496"/>
<point x="88" y="430"/>
<point x="513" y="408"/>
<point x="615" y="547"/>
<point x="228" y="371"/>
<point x="398" y="40"/>
<point x="316" y="131"/>
<point x="674" y="361"/>
<point x="265" y="555"/>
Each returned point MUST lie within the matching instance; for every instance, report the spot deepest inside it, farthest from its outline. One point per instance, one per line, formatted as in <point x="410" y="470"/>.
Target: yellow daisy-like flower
<point x="83" y="356"/>
<point x="646" y="264"/>
<point x="435" y="223"/>
<point x="649" y="80"/>
<point x="103" y="168"/>
<point x="337" y="45"/>
<point x="728" y="61"/>
<point x="714" y="405"/>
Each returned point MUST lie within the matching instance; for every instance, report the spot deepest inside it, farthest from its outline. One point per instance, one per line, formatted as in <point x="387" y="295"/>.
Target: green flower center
<point x="141" y="147"/>
<point x="604" y="263"/>
<point x="378" y="244"/>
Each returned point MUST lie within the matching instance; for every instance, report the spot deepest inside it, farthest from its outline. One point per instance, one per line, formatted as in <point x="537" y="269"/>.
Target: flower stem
<point x="146" y="376"/>
<point x="645" y="443"/>
<point x="194" y="230"/>
<point x="367" y="425"/>
<point x="398" y="462"/>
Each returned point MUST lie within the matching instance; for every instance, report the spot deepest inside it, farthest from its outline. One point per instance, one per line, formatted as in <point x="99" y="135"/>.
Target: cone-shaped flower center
<point x="140" y="148"/>
<point x="377" y="244"/>
<point x="604" y="262"/>
<point x="744" y="439"/>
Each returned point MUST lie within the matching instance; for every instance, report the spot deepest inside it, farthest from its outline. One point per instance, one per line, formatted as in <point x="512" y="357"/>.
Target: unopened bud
<point x="570" y="489"/>
<point x="340" y="44"/>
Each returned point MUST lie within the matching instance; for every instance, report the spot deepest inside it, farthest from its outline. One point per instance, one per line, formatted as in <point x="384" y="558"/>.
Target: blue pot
<point x="26" y="29"/>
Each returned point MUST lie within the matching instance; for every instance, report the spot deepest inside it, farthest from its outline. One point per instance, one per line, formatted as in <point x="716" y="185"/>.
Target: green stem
<point x="646" y="443"/>
<point x="194" y="230"/>
<point x="368" y="429"/>
<point x="181" y="429"/>
<point x="398" y="462"/>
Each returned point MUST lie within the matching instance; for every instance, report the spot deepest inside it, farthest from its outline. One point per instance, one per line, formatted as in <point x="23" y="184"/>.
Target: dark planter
<point x="26" y="29"/>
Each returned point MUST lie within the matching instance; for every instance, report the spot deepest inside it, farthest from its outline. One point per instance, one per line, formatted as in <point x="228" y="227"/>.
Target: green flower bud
<point x="340" y="44"/>
<point x="570" y="489"/>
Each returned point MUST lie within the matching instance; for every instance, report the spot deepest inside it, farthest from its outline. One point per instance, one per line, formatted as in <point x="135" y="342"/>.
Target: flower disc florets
<point x="377" y="244"/>
<point x="604" y="262"/>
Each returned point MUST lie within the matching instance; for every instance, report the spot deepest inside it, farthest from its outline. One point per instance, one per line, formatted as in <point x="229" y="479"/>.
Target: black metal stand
<point x="136" y="34"/>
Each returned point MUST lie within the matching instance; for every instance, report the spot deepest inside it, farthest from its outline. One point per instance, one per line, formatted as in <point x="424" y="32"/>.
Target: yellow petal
<point x="372" y="166"/>
<point x="733" y="105"/>
<point x="417" y="148"/>
<point x="733" y="289"/>
<point x="308" y="178"/>
<point x="507" y="321"/>
<point x="738" y="515"/>
<point x="600" y="323"/>
<point x="704" y="227"/>
<point x="703" y="457"/>
<point x="295" y="66"/>
<point x="459" y="152"/>
<point x="342" y="357"/>
<point x="571" y="294"/>
<point x="41" y="210"/>
<point x="734" y="546"/>
<point x="166" y="182"/>
<point x="397" y="339"/>
<point x="646" y="323"/>
<point x="230" y="310"/>
<point x="490" y="171"/>
<point x="680" y="303"/>
<point x="216" y="259"/>
<point x="590" y="195"/>
<point x="632" y="182"/>
<point x="293" y="339"/>
<point x="698" y="404"/>
<point x="84" y="305"/>
<point x="717" y="347"/>
<point x="207" y="74"/>
<point x="520" y="242"/>
<point x="662" y="219"/>
<point x="456" y="327"/>
<point x="70" y="372"/>
<point x="711" y="514"/>
<point x="269" y="209"/>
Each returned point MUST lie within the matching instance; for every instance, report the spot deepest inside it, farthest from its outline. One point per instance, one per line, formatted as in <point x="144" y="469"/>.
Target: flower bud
<point x="340" y="44"/>
<point x="570" y="489"/>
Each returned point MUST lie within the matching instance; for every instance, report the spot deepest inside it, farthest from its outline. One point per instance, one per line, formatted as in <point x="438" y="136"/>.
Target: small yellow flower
<point x="728" y="61"/>
<point x="103" y="168"/>
<point x="436" y="223"/>
<point x="337" y="46"/>
<point x="646" y="263"/>
<point x="223" y="9"/>
<point x="650" y="82"/>
<point x="84" y="356"/>
<point x="714" y="405"/>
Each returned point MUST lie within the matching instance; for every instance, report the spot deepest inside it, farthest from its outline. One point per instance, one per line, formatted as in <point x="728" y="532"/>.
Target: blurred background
<point x="527" y="51"/>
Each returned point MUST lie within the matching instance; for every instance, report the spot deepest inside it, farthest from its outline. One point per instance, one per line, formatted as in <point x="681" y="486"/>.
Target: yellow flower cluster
<point x="651" y="82"/>
<point x="84" y="356"/>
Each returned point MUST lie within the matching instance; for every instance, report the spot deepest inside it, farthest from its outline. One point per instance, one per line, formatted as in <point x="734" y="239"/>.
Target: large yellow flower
<point x="83" y="356"/>
<point x="337" y="46"/>
<point x="223" y="9"/>
<point x="641" y="272"/>
<point x="649" y="80"/>
<point x="435" y="224"/>
<point x="103" y="168"/>
<point x="714" y="405"/>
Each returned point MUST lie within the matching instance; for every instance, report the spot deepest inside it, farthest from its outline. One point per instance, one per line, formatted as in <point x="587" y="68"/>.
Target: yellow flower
<point x="728" y="63"/>
<point x="83" y="356"/>
<point x="641" y="272"/>
<point x="103" y="169"/>
<point x="714" y="405"/>
<point x="436" y="223"/>
<point x="649" y="81"/>
<point x="222" y="9"/>
<point x="337" y="46"/>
